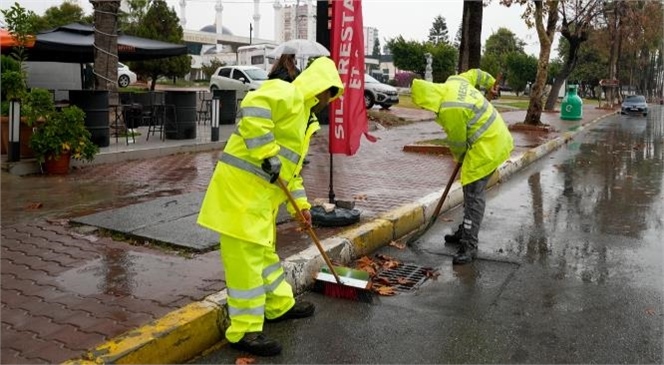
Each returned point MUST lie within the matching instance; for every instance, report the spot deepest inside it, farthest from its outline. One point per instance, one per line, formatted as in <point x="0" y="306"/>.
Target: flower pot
<point x="57" y="165"/>
<point x="25" y="134"/>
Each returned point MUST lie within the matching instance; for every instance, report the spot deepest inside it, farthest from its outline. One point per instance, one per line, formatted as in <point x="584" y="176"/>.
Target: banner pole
<point x="331" y="193"/>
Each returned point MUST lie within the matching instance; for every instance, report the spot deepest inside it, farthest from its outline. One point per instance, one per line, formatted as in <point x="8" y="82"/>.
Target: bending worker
<point x="242" y="199"/>
<point x="477" y="137"/>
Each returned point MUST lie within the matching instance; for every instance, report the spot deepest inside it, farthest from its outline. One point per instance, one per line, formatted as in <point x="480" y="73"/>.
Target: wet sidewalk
<point x="67" y="289"/>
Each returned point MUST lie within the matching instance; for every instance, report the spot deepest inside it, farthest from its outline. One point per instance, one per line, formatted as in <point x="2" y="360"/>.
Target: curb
<point x="184" y="333"/>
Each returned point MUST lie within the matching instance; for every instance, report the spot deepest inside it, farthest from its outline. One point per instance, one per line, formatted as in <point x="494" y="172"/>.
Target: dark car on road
<point x="634" y="104"/>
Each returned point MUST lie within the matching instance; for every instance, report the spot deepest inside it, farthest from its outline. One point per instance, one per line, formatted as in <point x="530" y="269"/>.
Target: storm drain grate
<point x="404" y="278"/>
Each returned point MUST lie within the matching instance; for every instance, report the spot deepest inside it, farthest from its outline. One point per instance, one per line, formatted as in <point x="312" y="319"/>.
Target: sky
<point x="410" y="18"/>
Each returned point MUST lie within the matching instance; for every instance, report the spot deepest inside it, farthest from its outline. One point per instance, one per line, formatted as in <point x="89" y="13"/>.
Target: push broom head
<point x="355" y="284"/>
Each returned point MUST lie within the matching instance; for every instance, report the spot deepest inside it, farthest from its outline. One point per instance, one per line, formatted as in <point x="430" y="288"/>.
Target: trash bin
<point x="94" y="104"/>
<point x="180" y="121"/>
<point x="227" y="101"/>
<point x="571" y="107"/>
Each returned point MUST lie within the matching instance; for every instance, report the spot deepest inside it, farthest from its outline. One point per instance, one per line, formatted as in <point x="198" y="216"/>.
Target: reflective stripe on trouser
<point x="474" y="202"/>
<point x="255" y="284"/>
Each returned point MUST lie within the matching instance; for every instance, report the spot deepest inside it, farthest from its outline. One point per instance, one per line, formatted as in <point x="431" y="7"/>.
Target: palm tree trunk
<point x="106" y="47"/>
<point x="470" y="48"/>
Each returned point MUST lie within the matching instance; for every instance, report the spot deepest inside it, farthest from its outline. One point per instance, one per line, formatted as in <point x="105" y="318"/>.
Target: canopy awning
<point x="74" y="43"/>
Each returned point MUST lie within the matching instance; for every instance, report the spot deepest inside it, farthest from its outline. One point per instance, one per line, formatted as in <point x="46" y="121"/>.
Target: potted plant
<point x="61" y="137"/>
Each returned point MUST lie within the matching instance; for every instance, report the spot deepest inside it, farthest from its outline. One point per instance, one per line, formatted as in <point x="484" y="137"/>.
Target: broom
<point x="434" y="216"/>
<point x="355" y="284"/>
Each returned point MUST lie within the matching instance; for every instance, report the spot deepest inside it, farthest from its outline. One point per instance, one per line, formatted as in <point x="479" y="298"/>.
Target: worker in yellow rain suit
<point x="242" y="199"/>
<point x="477" y="137"/>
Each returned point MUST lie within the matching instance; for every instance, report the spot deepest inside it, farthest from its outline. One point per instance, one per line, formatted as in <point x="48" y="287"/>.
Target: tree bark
<point x="572" y="58"/>
<point x="545" y="35"/>
<point x="106" y="47"/>
<point x="470" y="48"/>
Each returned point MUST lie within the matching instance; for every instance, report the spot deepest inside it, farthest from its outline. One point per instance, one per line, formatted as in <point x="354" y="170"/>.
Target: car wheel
<point x="385" y="106"/>
<point x="368" y="100"/>
<point x="645" y="114"/>
<point x="213" y="88"/>
<point x="123" y="81"/>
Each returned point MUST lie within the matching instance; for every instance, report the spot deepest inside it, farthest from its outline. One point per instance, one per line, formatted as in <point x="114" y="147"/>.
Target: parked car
<point x="240" y="78"/>
<point x="634" y="104"/>
<point x="375" y="92"/>
<point x="126" y="76"/>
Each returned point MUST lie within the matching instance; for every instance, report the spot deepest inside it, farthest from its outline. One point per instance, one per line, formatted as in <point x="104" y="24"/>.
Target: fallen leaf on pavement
<point x="381" y="281"/>
<point x="385" y="290"/>
<point x="385" y="257"/>
<point x="398" y="245"/>
<point x="650" y="311"/>
<point x="404" y="281"/>
<point x="431" y="274"/>
<point x="391" y="264"/>
<point x="244" y="360"/>
<point x="33" y="206"/>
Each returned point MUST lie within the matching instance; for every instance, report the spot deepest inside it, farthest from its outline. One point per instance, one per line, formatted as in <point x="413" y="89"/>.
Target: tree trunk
<point x="534" y="113"/>
<point x="470" y="48"/>
<point x="572" y="57"/>
<point x="106" y="47"/>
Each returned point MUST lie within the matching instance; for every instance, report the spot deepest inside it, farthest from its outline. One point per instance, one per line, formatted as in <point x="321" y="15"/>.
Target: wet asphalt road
<point x="570" y="271"/>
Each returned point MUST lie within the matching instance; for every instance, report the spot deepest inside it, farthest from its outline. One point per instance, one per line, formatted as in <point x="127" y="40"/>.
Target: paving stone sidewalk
<point x="67" y="289"/>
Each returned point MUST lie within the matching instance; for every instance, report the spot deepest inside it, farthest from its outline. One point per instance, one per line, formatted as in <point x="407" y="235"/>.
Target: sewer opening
<point x="405" y="278"/>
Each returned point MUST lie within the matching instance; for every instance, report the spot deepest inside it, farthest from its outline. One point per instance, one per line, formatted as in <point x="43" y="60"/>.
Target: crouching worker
<point x="477" y="137"/>
<point x="243" y="198"/>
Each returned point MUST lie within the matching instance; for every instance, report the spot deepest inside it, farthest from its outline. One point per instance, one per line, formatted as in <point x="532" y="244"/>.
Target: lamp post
<point x="14" y="148"/>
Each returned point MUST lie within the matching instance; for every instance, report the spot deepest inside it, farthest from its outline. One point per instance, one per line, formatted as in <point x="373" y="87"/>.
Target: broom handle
<point x="310" y="230"/>
<point x="442" y="198"/>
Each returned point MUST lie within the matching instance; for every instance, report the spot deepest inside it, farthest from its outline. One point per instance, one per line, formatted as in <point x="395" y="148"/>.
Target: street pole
<point x="251" y="31"/>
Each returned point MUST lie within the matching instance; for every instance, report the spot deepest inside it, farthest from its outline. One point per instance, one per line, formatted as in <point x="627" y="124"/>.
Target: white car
<point x="126" y="76"/>
<point x="375" y="92"/>
<point x="240" y="78"/>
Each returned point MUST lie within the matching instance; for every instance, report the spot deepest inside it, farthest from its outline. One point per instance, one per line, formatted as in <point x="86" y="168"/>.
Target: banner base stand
<point x="339" y="217"/>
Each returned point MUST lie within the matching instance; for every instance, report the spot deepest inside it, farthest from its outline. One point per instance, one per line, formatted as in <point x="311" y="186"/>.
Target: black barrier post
<point x="215" y="116"/>
<point x="14" y="148"/>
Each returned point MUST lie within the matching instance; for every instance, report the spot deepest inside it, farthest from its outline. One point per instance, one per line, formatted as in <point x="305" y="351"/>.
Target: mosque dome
<point x="213" y="29"/>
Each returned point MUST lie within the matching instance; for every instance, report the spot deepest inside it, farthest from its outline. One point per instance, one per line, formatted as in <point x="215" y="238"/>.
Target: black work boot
<point x="301" y="309"/>
<point x="256" y="343"/>
<point x="453" y="238"/>
<point x="466" y="254"/>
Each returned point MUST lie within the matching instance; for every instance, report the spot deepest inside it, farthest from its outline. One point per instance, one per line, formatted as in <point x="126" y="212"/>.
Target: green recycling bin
<point x="572" y="106"/>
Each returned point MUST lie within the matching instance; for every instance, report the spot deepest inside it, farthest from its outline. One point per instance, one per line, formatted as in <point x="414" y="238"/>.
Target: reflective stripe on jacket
<point x="476" y="133"/>
<point x="240" y="200"/>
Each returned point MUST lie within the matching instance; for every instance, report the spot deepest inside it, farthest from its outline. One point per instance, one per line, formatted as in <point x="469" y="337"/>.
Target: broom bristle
<point x="335" y="290"/>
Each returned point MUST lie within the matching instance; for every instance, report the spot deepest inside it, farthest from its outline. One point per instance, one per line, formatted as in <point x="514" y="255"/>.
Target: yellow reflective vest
<point x="240" y="201"/>
<point x="476" y="133"/>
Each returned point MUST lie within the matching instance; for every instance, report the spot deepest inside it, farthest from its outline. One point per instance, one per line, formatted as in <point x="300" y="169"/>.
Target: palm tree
<point x="106" y="47"/>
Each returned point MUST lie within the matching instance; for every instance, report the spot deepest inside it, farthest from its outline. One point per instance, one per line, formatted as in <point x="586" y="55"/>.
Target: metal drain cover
<point x="405" y="278"/>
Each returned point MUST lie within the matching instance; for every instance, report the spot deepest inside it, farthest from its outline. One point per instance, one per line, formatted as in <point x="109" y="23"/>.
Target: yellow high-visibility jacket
<point x="476" y="133"/>
<point x="240" y="201"/>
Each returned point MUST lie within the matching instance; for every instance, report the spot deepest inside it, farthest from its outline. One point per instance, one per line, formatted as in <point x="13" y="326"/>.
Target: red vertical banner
<point x="348" y="115"/>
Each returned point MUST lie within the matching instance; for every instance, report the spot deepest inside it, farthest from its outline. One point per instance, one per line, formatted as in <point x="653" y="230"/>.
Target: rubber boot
<point x="467" y="253"/>
<point x="301" y="309"/>
<point x="257" y="344"/>
<point x="453" y="238"/>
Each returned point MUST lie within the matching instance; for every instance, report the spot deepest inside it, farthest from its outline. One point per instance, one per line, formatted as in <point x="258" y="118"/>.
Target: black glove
<point x="272" y="166"/>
